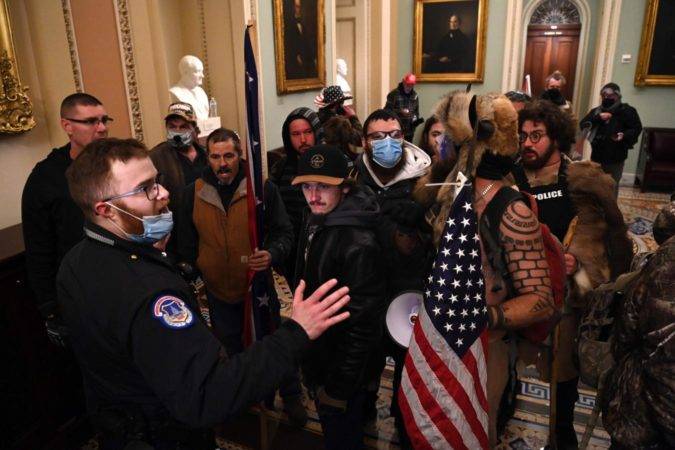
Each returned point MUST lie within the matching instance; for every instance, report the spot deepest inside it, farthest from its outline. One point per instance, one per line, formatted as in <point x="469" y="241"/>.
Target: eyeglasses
<point x="377" y="135"/>
<point x="535" y="136"/>
<point x="151" y="190"/>
<point x="92" y="121"/>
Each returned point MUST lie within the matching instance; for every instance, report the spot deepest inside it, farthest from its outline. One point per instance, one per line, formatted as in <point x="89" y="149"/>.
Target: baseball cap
<point x="410" y="79"/>
<point x="322" y="164"/>
<point x="182" y="110"/>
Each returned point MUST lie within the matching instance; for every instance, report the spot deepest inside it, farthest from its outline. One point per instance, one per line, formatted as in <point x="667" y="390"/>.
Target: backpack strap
<point x="490" y="234"/>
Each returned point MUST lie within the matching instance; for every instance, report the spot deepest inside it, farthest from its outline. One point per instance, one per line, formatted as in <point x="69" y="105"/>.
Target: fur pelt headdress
<point x="477" y="124"/>
<point x="599" y="241"/>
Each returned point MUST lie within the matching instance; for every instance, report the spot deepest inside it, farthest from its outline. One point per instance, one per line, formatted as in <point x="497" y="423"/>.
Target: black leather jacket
<point x="343" y="245"/>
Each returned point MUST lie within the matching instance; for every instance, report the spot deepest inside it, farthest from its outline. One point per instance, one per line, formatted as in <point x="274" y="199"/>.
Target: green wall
<point x="655" y="105"/>
<point x="430" y="93"/>
<point x="277" y="107"/>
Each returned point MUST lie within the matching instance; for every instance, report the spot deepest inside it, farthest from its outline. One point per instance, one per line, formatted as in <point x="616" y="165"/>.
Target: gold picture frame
<point x="442" y="53"/>
<point x="16" y="109"/>
<point x="655" y="67"/>
<point x="299" y="44"/>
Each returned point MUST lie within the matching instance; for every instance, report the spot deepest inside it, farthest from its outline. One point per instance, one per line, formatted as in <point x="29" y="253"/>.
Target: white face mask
<point x="177" y="139"/>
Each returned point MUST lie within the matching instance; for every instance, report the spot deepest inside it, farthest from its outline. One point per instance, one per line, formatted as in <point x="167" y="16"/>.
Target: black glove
<point x="407" y="214"/>
<point x="417" y="122"/>
<point x="57" y="332"/>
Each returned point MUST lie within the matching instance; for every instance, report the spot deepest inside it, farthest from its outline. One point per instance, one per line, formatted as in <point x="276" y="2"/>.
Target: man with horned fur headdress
<point x="484" y="128"/>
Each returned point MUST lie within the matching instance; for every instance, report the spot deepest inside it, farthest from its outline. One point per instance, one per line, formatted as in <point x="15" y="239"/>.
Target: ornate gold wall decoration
<point x="129" y="65"/>
<point x="16" y="109"/>
<point x="205" y="53"/>
<point x="72" y="46"/>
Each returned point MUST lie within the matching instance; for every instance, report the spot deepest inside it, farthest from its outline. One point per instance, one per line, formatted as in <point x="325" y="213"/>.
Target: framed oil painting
<point x="656" y="63"/>
<point x="449" y="40"/>
<point x="299" y="45"/>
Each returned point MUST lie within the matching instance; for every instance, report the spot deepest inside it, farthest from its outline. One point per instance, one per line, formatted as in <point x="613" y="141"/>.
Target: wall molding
<point x="607" y="37"/>
<point x="72" y="46"/>
<point x="129" y="67"/>
<point x="205" y="51"/>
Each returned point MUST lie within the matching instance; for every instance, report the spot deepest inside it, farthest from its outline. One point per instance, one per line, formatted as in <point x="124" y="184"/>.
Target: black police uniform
<point x="145" y="354"/>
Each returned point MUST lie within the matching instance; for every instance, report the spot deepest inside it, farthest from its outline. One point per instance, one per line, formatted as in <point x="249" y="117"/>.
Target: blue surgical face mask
<point x="155" y="228"/>
<point x="177" y="139"/>
<point x="387" y="152"/>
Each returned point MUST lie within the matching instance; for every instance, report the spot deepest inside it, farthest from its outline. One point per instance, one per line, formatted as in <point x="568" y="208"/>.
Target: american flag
<point x="261" y="305"/>
<point x="443" y="396"/>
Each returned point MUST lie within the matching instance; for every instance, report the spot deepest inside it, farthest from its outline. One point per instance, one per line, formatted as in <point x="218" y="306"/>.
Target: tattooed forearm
<point x="526" y="261"/>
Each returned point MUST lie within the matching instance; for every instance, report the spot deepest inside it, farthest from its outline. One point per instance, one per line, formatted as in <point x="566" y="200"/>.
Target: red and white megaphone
<point x="402" y="315"/>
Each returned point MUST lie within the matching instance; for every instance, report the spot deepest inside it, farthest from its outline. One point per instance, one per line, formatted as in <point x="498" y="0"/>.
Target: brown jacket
<point x="223" y="249"/>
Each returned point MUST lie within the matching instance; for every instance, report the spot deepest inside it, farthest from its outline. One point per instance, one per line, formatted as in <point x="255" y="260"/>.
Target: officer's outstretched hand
<point x="316" y="314"/>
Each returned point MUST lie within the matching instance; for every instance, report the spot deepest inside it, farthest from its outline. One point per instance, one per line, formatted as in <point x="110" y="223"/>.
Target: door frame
<point x="518" y="19"/>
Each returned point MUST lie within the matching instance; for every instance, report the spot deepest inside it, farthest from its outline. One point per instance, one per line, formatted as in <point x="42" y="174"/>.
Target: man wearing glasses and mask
<point x="390" y="167"/>
<point x="51" y="221"/>
<point x="154" y="373"/>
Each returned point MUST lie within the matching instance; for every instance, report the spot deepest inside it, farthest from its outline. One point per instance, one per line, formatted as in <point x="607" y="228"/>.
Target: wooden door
<point x="550" y="48"/>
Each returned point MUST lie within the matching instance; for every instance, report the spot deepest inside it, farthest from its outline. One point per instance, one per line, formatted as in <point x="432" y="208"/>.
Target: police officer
<point x="153" y="372"/>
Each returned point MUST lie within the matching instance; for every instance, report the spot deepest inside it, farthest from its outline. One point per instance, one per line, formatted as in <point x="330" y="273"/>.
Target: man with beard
<point x="390" y="167"/>
<point x="546" y="135"/>
<point x="614" y="129"/>
<point x="153" y="371"/>
<point x="300" y="131"/>
<point x="339" y="241"/>
<point x="213" y="237"/>
<point x="180" y="159"/>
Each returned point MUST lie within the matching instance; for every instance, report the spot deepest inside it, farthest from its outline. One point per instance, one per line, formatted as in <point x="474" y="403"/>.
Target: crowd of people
<point x="354" y="214"/>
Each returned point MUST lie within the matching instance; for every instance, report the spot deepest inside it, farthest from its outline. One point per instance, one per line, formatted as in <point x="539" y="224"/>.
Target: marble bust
<point x="340" y="80"/>
<point x="188" y="89"/>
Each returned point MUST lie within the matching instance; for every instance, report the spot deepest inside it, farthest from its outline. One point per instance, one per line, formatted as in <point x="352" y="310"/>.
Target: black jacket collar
<point x="101" y="235"/>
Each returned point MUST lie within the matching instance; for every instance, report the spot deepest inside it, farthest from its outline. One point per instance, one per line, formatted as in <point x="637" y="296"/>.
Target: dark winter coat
<point x="52" y="225"/>
<point x="344" y="246"/>
<point x="625" y="119"/>
<point x="398" y="100"/>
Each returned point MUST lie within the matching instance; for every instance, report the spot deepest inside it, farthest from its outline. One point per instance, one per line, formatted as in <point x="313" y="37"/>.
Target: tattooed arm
<point x="526" y="261"/>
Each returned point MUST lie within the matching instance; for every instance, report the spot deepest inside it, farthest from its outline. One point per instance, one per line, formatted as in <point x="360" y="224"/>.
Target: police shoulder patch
<point x="172" y="312"/>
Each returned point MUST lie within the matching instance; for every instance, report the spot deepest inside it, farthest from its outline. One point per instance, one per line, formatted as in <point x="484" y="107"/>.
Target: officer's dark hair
<point x="559" y="125"/>
<point x="89" y="175"/>
<point x="77" y="99"/>
<point x="380" y="114"/>
<point x="224" y="135"/>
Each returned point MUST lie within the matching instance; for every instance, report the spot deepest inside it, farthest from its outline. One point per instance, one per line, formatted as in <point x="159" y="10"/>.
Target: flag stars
<point x="431" y="278"/>
<point x="464" y="313"/>
<point x="439" y="296"/>
<point x="474" y="253"/>
<point x="437" y="311"/>
<point x="469" y="283"/>
<point x="441" y="281"/>
<point x="459" y="342"/>
<point x="453" y="298"/>
<point x="462" y="327"/>
<point x="475" y="311"/>
<point x="446" y="251"/>
<point x="456" y="283"/>
<point x="467" y="206"/>
<point x="472" y="268"/>
<point x="476" y="238"/>
<point x="450" y="221"/>
<point x="477" y="297"/>
<point x="427" y="293"/>
<point x="467" y="298"/>
<point x="462" y="237"/>
<point x="460" y="253"/>
<point x="465" y="222"/>
<point x="480" y="282"/>
<point x="444" y="267"/>
<point x="448" y="237"/>
<point x="472" y="326"/>
<point x="451" y="312"/>
<point x="448" y="326"/>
